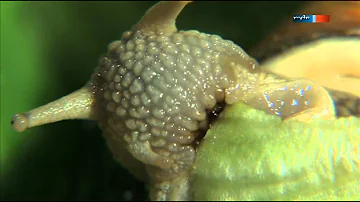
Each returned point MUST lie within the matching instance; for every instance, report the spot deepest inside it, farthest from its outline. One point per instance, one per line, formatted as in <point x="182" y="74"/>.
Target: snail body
<point x="153" y="91"/>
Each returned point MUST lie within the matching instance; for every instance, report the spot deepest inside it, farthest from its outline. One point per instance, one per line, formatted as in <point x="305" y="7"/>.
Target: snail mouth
<point x="212" y="115"/>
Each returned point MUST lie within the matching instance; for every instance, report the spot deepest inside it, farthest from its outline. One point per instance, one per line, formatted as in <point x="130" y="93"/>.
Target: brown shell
<point x="344" y="23"/>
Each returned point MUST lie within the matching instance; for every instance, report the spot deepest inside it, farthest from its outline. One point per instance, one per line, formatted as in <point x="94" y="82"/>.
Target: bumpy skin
<point x="157" y="88"/>
<point x="154" y="89"/>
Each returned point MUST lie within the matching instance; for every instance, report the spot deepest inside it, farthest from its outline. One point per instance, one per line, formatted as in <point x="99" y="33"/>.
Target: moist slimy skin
<point x="153" y="92"/>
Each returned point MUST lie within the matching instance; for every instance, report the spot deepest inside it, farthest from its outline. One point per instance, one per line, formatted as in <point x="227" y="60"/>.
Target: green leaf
<point x="248" y="155"/>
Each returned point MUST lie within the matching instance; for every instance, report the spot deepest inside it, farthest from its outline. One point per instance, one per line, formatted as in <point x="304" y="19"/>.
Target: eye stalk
<point x="77" y="105"/>
<point x="161" y="17"/>
<point x="19" y="122"/>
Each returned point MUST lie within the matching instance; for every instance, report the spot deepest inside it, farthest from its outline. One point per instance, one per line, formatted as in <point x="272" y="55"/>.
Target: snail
<point x="154" y="91"/>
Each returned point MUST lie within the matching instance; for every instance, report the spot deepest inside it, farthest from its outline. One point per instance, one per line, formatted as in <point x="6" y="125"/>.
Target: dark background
<point x="49" y="49"/>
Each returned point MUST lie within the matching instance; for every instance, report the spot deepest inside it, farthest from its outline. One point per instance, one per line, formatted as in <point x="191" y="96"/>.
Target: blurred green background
<point x="49" y="49"/>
